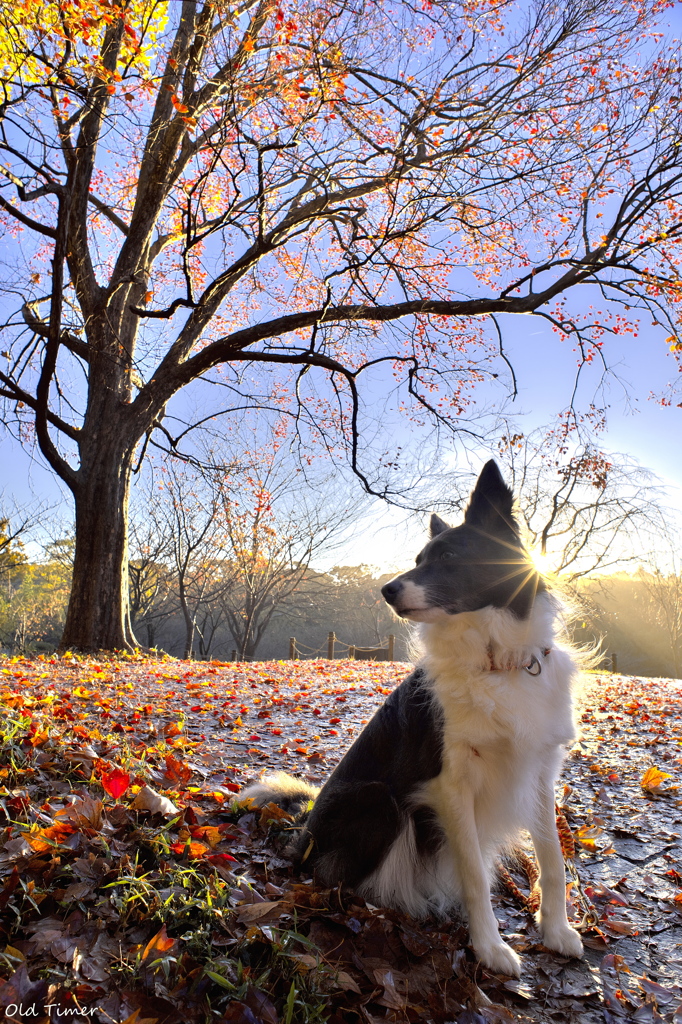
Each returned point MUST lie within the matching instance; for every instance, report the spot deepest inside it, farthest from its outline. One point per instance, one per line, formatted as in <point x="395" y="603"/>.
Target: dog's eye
<point x="448" y="555"/>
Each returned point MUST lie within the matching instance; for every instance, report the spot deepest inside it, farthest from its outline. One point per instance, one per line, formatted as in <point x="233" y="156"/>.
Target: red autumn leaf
<point x="221" y="858"/>
<point x="115" y="782"/>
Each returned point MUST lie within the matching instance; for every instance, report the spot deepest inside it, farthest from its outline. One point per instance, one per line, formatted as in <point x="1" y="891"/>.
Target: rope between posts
<point x="314" y="650"/>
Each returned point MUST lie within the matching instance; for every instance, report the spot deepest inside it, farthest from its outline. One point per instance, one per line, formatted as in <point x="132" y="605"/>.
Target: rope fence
<point x="335" y="647"/>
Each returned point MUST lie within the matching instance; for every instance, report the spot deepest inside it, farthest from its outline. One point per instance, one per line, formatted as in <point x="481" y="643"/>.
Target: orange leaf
<point x="210" y="833"/>
<point x="158" y="944"/>
<point x="193" y="849"/>
<point x="46" y="838"/>
<point x="177" y="770"/>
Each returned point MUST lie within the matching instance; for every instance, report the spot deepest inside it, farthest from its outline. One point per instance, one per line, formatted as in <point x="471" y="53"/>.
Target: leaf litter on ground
<point x="135" y="888"/>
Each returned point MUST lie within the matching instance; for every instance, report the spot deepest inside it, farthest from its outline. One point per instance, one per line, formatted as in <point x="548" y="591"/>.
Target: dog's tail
<point x="292" y="795"/>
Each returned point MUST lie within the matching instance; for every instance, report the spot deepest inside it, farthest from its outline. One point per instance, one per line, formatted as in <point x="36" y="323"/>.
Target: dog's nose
<point x="391" y="591"/>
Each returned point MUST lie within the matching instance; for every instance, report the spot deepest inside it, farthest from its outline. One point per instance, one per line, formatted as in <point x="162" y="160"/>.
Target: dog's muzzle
<point x="391" y="590"/>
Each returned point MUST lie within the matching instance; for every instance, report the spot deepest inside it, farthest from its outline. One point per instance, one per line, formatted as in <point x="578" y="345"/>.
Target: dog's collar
<point x="532" y="667"/>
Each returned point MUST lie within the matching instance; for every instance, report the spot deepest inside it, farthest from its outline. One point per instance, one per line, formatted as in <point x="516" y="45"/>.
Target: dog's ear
<point x="437" y="525"/>
<point x="491" y="501"/>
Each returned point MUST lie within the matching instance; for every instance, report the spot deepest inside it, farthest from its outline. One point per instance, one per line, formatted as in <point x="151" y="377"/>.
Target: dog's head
<point x="480" y="563"/>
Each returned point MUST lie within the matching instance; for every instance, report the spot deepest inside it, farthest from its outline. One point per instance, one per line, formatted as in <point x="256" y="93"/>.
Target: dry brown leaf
<point x="149" y="800"/>
<point x="344" y="981"/>
<point x="252" y="912"/>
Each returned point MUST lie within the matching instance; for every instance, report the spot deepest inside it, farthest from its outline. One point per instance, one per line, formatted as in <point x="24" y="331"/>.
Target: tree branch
<point x="40" y="327"/>
<point x="17" y="394"/>
<point x="35" y="225"/>
<point x="109" y="214"/>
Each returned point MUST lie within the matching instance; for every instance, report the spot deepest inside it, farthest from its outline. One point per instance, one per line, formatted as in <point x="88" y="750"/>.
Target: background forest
<point x="232" y="563"/>
<point x="636" y="615"/>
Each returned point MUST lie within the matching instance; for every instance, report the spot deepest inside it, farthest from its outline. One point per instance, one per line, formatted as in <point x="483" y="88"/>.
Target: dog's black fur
<point x="362" y="806"/>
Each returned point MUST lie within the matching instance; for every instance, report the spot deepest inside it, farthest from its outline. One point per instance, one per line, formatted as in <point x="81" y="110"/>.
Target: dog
<point x="465" y="753"/>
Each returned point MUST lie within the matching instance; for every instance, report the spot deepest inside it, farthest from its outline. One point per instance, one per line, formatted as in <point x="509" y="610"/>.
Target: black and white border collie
<point x="465" y="753"/>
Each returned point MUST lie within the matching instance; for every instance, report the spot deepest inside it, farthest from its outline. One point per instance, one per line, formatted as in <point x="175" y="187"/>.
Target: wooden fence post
<point x="391" y="645"/>
<point x="330" y="645"/>
<point x="292" y="648"/>
<point x="614" y="661"/>
<point x="351" y="653"/>
<point x="233" y="655"/>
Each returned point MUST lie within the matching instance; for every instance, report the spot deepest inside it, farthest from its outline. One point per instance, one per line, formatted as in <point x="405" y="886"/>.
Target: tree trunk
<point x="98" y="617"/>
<point x="189" y="622"/>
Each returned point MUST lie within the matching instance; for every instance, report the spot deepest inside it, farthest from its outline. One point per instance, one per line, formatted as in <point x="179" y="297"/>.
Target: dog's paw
<point x="499" y="957"/>
<point x="561" y="938"/>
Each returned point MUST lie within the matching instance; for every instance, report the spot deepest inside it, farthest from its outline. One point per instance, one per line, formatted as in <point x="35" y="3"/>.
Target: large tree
<point x="352" y="187"/>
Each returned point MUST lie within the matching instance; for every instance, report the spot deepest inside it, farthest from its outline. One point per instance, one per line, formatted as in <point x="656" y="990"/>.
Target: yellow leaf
<point x="652" y="778"/>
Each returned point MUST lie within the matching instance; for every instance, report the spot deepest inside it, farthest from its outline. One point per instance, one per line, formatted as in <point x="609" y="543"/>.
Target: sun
<point x="541" y="562"/>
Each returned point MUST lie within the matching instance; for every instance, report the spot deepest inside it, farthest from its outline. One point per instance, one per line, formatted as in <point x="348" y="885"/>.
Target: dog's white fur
<point x="505" y="735"/>
<point x="282" y="785"/>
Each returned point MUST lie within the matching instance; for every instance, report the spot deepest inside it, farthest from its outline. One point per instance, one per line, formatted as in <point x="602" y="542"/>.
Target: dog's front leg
<point x="552" y="920"/>
<point x="457" y="815"/>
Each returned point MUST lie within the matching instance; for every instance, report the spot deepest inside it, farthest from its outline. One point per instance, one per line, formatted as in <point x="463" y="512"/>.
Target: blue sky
<point x="545" y="369"/>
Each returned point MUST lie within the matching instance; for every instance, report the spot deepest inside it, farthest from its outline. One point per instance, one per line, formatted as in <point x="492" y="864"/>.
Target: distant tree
<point x="361" y="616"/>
<point x="11" y="547"/>
<point x="664" y="590"/>
<point x="33" y="601"/>
<point x="149" y="574"/>
<point x="189" y="515"/>
<point x="634" y="616"/>
<point x="275" y="525"/>
<point x="266" y="188"/>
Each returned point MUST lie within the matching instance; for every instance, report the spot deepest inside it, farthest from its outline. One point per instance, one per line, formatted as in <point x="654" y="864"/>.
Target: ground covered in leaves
<point x="134" y="888"/>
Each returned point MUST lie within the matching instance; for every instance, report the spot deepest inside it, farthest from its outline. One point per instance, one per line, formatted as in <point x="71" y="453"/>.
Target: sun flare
<point x="541" y="562"/>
